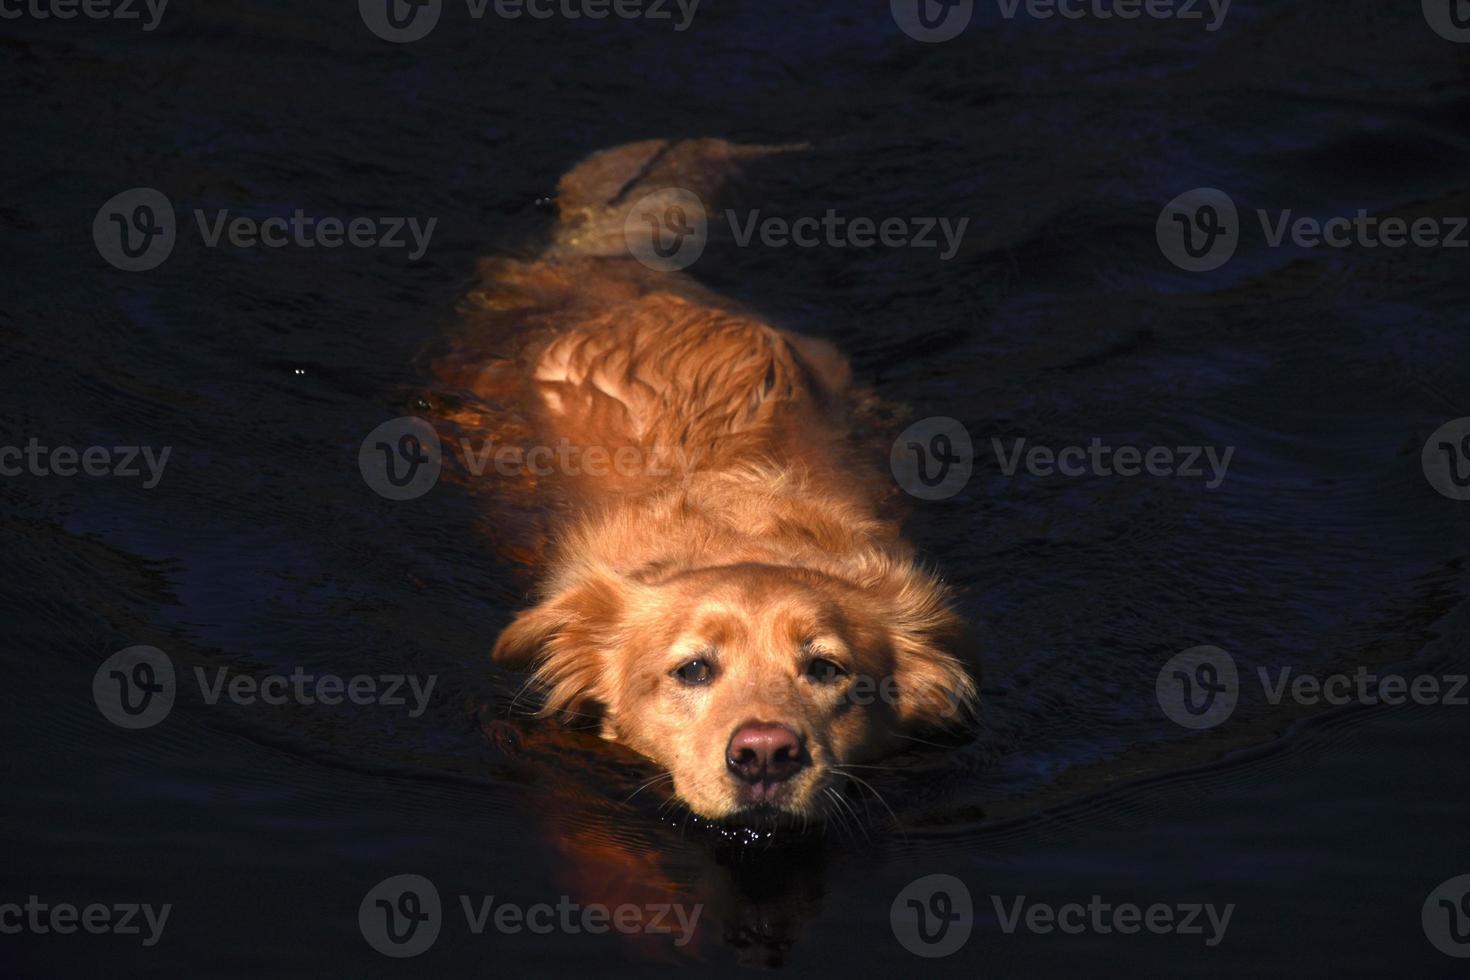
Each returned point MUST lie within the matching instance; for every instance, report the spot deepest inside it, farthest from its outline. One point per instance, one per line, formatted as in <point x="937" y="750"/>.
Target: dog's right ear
<point x="567" y="642"/>
<point x="522" y="642"/>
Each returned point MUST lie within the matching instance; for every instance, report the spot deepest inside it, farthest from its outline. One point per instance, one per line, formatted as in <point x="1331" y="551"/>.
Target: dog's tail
<point x="595" y="198"/>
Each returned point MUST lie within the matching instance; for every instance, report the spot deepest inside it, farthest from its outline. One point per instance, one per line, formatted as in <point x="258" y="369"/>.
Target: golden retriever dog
<point x="735" y="607"/>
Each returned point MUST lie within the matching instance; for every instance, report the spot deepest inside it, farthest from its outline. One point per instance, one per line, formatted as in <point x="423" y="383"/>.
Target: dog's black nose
<point x="764" y="752"/>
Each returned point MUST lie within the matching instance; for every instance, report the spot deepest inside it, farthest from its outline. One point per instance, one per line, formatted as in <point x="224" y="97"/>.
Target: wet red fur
<point x="740" y="527"/>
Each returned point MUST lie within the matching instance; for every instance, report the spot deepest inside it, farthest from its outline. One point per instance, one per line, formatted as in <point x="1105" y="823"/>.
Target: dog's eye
<point x="823" y="671"/>
<point x="698" y="671"/>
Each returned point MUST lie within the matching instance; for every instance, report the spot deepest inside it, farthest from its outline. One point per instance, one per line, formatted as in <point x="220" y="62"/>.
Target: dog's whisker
<point x="828" y="817"/>
<point x="869" y="787"/>
<point x="510" y="711"/>
<point x="647" y="783"/>
<point x="529" y="684"/>
<point x="921" y="741"/>
<point x="856" y="820"/>
<point x="573" y="713"/>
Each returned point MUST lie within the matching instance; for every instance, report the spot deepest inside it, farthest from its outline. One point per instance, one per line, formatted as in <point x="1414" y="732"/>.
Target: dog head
<point x="752" y="684"/>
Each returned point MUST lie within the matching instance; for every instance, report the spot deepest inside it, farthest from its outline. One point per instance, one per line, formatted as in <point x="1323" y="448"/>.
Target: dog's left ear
<point x="935" y="688"/>
<point x="566" y="642"/>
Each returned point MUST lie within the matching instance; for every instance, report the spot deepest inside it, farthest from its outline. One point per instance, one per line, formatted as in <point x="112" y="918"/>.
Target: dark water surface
<point x="262" y="550"/>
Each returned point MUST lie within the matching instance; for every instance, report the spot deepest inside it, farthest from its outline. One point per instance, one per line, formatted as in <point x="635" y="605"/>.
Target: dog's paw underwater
<point x="725" y="594"/>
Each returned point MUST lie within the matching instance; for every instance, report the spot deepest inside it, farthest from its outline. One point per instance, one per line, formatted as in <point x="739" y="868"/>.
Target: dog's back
<point x="646" y="368"/>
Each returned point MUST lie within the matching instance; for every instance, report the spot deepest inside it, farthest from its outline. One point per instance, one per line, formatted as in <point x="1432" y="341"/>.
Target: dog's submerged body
<point x="724" y="594"/>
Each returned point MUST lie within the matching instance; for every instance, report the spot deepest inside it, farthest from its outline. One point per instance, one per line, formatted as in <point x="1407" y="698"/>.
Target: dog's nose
<point x="764" y="752"/>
